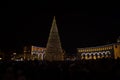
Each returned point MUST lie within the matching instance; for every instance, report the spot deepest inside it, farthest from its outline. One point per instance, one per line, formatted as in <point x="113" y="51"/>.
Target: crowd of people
<point x="60" y="70"/>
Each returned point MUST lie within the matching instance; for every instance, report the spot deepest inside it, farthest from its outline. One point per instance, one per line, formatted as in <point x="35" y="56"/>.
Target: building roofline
<point x="100" y="46"/>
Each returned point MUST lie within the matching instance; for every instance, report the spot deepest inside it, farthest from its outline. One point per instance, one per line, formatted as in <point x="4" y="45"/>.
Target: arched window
<point x="83" y="55"/>
<point x="88" y="56"/>
<point x="108" y="53"/>
<point x="104" y="55"/>
<point x="92" y="56"/>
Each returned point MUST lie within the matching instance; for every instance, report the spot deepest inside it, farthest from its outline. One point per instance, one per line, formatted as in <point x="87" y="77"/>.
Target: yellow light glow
<point x="0" y="58"/>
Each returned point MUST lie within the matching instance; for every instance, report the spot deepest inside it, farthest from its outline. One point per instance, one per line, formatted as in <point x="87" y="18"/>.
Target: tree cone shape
<point x="54" y="50"/>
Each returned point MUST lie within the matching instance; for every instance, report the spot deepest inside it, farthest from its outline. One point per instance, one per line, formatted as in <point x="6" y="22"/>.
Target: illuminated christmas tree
<point x="54" y="50"/>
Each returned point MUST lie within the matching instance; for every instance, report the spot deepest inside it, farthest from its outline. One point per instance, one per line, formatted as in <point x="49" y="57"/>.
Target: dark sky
<point x="80" y="24"/>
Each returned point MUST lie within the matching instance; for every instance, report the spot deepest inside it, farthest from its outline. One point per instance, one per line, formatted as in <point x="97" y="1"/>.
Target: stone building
<point x="99" y="52"/>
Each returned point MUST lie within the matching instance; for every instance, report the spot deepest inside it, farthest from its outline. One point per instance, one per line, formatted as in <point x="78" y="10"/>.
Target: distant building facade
<point x="34" y="53"/>
<point x="99" y="52"/>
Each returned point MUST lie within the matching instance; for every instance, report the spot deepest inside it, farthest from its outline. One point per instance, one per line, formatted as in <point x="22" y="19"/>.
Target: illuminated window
<point x="90" y="57"/>
<point x="103" y="48"/>
<point x="79" y="50"/>
<point x="106" y="48"/>
<point x="109" y="47"/>
<point x="90" y="49"/>
<point x="82" y="50"/>
<point x="94" y="57"/>
<point x="97" y="49"/>
<point x="87" y="50"/>
<point x="98" y="56"/>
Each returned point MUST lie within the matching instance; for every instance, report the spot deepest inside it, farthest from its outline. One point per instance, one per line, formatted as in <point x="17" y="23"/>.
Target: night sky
<point x="79" y="25"/>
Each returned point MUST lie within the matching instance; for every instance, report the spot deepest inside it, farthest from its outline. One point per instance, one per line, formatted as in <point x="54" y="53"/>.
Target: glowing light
<point x="14" y="53"/>
<point x="0" y="58"/>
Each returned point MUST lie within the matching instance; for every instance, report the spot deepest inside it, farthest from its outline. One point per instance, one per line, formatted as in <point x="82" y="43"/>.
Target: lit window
<point x="91" y="50"/>
<point x="106" y="48"/>
<point x="0" y="58"/>
<point x="80" y="50"/>
<point x="83" y="50"/>
<point x="103" y="48"/>
<point x="87" y="50"/>
<point x="98" y="56"/>
<point x="97" y="49"/>
<point x="94" y="57"/>
<point x="111" y="47"/>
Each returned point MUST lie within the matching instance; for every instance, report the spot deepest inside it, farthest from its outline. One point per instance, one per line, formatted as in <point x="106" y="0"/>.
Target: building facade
<point x="99" y="52"/>
<point x="34" y="53"/>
